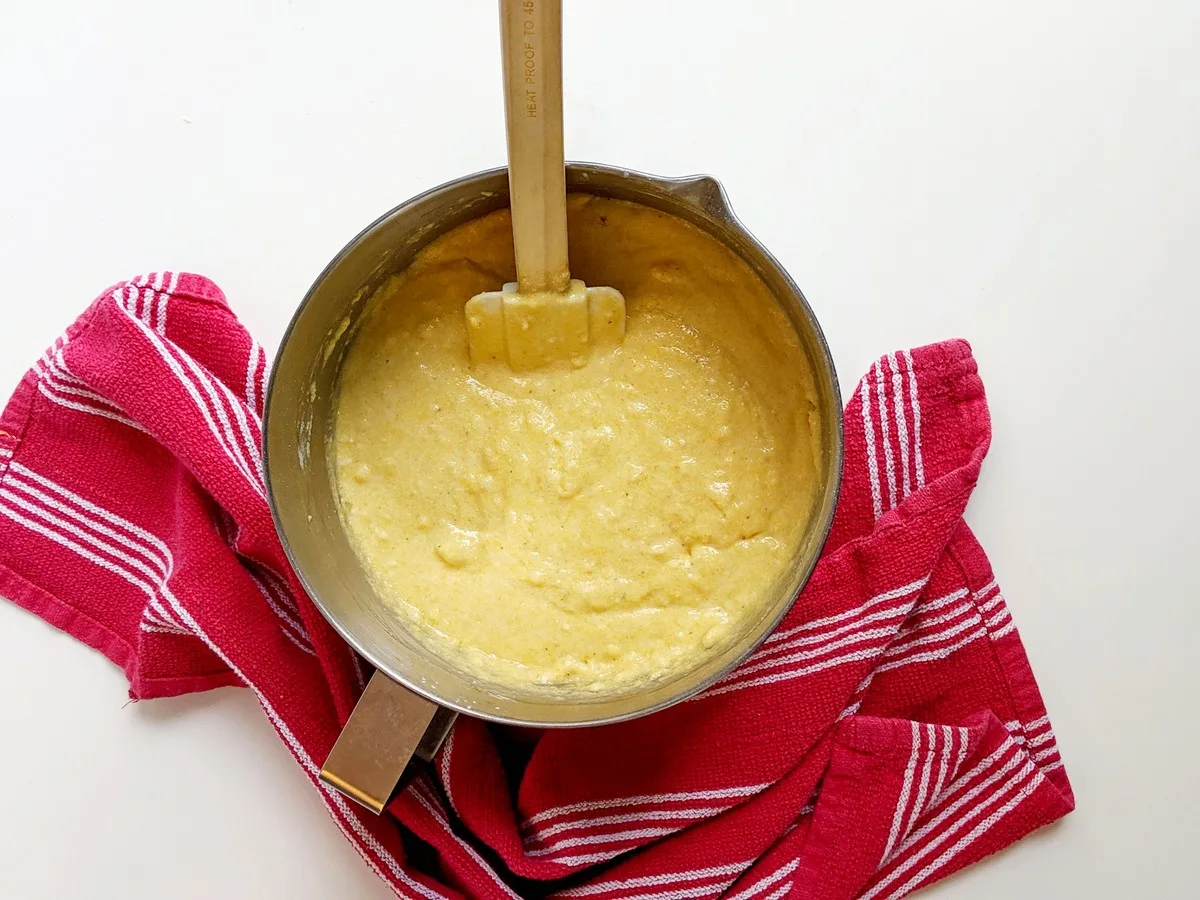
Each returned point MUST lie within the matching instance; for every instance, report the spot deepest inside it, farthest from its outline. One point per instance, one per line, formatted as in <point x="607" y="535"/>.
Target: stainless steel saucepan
<point x="411" y="701"/>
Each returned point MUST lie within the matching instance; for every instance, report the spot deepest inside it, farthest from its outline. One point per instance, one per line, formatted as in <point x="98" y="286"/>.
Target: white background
<point x="1022" y="174"/>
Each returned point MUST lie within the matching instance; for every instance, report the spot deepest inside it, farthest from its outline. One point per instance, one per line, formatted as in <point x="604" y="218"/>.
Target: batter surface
<point x="590" y="527"/>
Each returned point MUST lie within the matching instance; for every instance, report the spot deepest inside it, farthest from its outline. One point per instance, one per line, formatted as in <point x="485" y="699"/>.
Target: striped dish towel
<point x="888" y="733"/>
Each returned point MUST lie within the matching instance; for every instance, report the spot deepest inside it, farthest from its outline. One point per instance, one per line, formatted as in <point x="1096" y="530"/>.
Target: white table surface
<point x="1023" y="174"/>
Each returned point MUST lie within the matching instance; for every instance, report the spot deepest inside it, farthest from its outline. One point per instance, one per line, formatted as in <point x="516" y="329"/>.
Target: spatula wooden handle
<point x="531" y="47"/>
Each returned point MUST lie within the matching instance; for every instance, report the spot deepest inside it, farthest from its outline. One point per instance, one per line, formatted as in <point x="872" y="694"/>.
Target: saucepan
<point x="411" y="701"/>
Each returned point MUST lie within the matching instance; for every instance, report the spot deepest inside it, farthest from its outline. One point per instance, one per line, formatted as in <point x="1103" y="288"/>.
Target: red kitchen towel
<point x="887" y="734"/>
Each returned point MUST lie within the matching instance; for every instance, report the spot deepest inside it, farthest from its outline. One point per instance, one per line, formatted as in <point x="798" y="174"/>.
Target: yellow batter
<point x="582" y="528"/>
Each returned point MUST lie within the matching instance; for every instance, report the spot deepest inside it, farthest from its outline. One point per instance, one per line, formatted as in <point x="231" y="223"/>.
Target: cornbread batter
<point x="579" y="527"/>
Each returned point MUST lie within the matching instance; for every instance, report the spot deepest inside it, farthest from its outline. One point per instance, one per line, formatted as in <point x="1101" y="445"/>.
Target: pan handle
<point x="387" y="738"/>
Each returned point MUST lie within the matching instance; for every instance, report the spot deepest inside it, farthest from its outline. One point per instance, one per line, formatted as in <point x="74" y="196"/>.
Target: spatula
<point x="545" y="316"/>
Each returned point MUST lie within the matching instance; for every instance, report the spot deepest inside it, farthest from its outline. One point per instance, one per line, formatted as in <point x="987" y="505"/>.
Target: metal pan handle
<point x="389" y="736"/>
